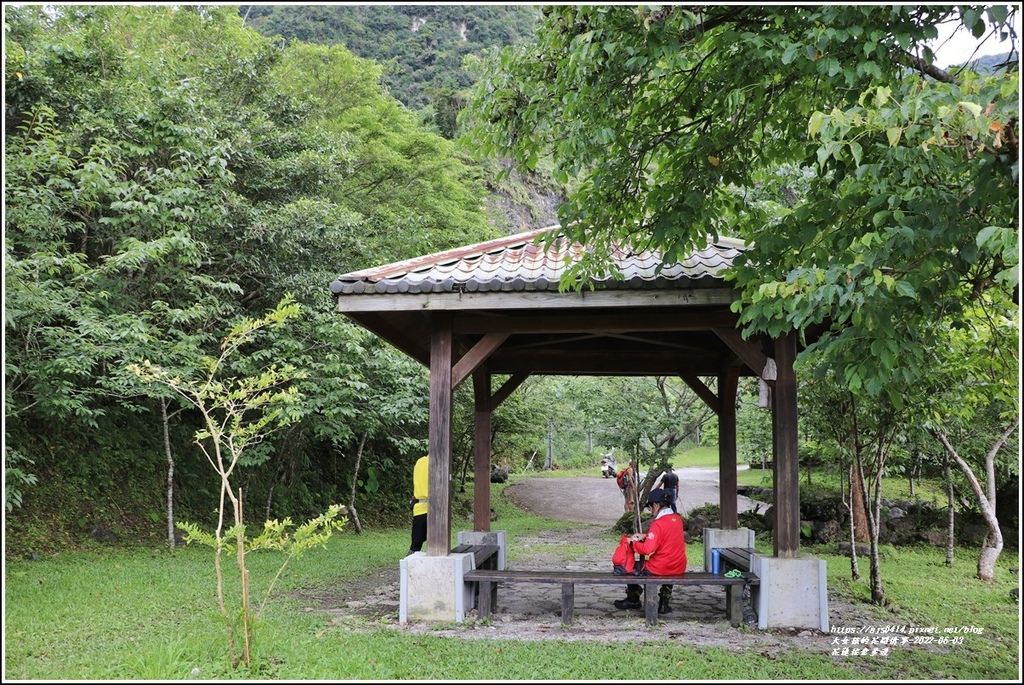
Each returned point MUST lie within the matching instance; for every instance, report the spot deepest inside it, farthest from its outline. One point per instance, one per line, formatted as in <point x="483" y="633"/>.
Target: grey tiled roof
<point x="521" y="262"/>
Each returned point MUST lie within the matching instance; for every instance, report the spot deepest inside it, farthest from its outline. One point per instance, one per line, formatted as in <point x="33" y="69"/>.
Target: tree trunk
<point x="243" y="574"/>
<point x="638" y="527"/>
<point x="874" y="512"/>
<point x="352" y="494"/>
<point x="847" y="496"/>
<point x="529" y="464"/>
<point x="859" y="499"/>
<point x="466" y="458"/>
<point x="950" y="544"/>
<point x="270" y="499"/>
<point x="874" y="516"/>
<point x="990" y="551"/>
<point x="170" y="474"/>
<point x="993" y="544"/>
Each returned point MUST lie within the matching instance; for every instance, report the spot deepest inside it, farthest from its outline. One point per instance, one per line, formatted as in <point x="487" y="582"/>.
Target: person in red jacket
<point x="664" y="546"/>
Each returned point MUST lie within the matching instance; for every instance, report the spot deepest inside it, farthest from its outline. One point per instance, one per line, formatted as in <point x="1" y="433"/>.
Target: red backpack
<point x="624" y="559"/>
<point x="622" y="479"/>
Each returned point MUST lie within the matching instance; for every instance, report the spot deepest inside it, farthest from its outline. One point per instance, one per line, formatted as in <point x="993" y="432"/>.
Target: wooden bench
<point x="484" y="556"/>
<point x="488" y="579"/>
<point x="736" y="557"/>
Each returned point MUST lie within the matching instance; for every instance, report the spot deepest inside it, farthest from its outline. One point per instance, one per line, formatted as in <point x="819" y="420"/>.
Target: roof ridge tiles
<point x="518" y="262"/>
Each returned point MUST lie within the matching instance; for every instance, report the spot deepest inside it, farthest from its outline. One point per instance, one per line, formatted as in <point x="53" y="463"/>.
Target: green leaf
<point x="973" y="107"/>
<point x="815" y="123"/>
<point x="905" y="289"/>
<point x="882" y="96"/>
<point x="856" y="151"/>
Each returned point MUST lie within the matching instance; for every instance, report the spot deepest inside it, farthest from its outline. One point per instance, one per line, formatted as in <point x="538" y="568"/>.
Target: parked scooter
<point x="609" y="468"/>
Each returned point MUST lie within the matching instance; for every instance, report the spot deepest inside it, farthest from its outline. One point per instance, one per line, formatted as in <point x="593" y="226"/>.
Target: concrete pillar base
<point x="486" y="537"/>
<point x="433" y="588"/>
<point x="793" y="592"/>
<point x="716" y="538"/>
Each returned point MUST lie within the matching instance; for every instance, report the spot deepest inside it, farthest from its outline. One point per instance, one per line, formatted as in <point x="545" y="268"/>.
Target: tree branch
<point x="920" y="65"/>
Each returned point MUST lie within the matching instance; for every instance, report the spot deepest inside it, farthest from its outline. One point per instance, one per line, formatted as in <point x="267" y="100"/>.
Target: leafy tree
<point x="238" y="413"/>
<point x="672" y="117"/>
<point x="167" y="171"/>
<point x="902" y="188"/>
<point x="519" y="423"/>
<point x="973" y="409"/>
<point x="15" y="477"/>
<point x="423" y="58"/>
<point x="868" y="433"/>
<point x="369" y="402"/>
<point x="650" y="418"/>
<point x="114" y="177"/>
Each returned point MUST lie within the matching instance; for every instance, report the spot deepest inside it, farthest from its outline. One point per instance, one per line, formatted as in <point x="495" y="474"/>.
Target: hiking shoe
<point x="627" y="603"/>
<point x="664" y="608"/>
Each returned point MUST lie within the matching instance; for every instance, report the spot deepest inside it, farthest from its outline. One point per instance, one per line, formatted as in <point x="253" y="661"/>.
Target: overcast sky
<point x="959" y="48"/>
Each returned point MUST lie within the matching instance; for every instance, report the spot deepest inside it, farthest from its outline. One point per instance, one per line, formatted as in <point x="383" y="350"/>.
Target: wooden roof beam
<point x="757" y="361"/>
<point x="702" y="391"/>
<point x="477" y="355"/>
<point x="537" y="300"/>
<point x="648" y="321"/>
<point x="603" y="363"/>
<point x="507" y="388"/>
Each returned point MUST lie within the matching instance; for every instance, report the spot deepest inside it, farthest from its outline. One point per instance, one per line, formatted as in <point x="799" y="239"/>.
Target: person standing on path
<point x="669" y="481"/>
<point x="664" y="547"/>
<point x="419" y="504"/>
<point x="626" y="480"/>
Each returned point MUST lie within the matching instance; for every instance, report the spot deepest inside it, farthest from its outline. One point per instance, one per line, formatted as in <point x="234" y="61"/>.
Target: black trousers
<point x="419" y="533"/>
<point x="634" y="592"/>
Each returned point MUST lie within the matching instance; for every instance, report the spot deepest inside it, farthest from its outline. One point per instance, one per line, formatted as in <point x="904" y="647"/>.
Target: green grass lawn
<point x="702" y="457"/>
<point x="146" y="614"/>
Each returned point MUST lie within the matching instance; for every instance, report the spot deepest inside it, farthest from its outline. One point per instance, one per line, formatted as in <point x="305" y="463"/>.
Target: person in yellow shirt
<point x="419" y="505"/>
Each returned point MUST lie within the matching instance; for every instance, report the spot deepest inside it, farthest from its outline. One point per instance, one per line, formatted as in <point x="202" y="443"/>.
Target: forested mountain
<point x="987" y="64"/>
<point x="422" y="50"/>
<point x="421" y="46"/>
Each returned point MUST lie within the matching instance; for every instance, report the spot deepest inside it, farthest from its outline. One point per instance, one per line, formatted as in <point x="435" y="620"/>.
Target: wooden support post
<point x="487" y="596"/>
<point x="728" y="381"/>
<point x="568" y="601"/>
<point x="651" y="603"/>
<point x="482" y="449"/>
<point x="439" y="530"/>
<point x="785" y="457"/>
<point x="734" y="604"/>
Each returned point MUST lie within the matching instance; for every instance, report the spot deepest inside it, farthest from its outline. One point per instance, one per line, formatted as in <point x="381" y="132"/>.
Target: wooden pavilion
<point x="494" y="309"/>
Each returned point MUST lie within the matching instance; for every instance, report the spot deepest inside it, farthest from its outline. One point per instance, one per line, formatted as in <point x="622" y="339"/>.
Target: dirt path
<point x="593" y="499"/>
